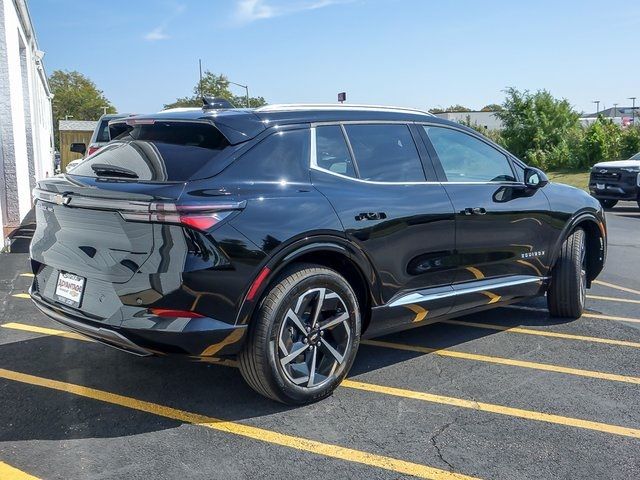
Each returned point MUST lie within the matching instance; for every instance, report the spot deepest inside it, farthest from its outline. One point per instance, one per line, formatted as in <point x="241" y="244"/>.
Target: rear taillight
<point x="92" y="149"/>
<point x="199" y="217"/>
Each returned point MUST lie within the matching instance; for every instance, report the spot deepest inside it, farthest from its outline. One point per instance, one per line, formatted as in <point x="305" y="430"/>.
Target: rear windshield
<point x="159" y="152"/>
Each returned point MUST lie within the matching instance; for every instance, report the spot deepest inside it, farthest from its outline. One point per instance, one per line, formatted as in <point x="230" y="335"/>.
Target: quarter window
<point x="332" y="152"/>
<point x="466" y="159"/>
<point x="282" y="156"/>
<point x="385" y="153"/>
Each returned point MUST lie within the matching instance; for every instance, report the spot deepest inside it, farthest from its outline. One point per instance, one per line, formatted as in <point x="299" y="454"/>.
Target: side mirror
<point x="80" y="148"/>
<point x="534" y="178"/>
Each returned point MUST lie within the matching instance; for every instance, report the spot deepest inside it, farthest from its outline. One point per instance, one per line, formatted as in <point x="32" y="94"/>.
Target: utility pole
<point x="200" y="82"/>
<point x="104" y="110"/>
<point x="633" y="111"/>
<point x="597" y="102"/>
<point x="246" y="88"/>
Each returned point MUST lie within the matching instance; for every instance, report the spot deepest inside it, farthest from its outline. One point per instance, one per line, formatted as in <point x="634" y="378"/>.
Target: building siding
<point x="26" y="147"/>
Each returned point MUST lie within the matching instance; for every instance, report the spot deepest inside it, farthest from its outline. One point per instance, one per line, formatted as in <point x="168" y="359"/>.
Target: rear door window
<point x="332" y="153"/>
<point x="160" y="151"/>
<point x="385" y="153"/>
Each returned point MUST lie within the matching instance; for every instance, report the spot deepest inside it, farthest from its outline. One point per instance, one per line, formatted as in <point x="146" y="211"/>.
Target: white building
<point x="488" y="120"/>
<point x="26" y="125"/>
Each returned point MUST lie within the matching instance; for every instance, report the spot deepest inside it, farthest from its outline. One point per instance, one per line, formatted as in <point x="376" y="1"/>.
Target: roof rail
<point x="336" y="106"/>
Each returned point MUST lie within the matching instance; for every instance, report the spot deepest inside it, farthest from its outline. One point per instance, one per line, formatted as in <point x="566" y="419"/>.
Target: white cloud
<point x="159" y="33"/>
<point x="248" y="11"/>
<point x="156" y="34"/>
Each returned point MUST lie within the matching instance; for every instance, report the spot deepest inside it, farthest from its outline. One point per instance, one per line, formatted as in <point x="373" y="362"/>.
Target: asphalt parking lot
<point x="506" y="394"/>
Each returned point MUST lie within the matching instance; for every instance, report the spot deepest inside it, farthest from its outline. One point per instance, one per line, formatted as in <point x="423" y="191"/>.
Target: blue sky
<point x="418" y="53"/>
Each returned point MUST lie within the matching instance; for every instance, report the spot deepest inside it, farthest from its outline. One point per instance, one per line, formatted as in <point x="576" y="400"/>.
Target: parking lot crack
<point x="434" y="442"/>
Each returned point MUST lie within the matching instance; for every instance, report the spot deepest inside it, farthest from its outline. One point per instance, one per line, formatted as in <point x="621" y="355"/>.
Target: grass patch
<point x="574" y="178"/>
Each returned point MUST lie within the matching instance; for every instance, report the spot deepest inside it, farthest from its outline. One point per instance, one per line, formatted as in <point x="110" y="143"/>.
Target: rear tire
<point x="567" y="292"/>
<point x="607" y="203"/>
<point x="310" y="310"/>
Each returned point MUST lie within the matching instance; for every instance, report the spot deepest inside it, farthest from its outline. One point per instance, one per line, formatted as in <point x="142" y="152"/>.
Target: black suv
<point x="611" y="182"/>
<point x="280" y="236"/>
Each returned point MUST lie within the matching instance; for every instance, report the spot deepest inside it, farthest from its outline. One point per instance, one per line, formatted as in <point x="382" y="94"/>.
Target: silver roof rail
<point x="337" y="106"/>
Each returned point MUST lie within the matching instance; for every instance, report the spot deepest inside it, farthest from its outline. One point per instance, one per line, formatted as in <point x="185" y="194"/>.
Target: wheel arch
<point x="332" y="252"/>
<point x="596" y="238"/>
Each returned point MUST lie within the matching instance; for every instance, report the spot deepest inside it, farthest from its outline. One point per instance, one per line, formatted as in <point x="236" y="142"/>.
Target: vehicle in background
<point x="617" y="180"/>
<point x="278" y="236"/>
<point x="100" y="135"/>
<point x="99" y="138"/>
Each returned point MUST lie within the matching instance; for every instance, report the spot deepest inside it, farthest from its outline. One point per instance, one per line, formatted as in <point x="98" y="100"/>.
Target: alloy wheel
<point x="314" y="337"/>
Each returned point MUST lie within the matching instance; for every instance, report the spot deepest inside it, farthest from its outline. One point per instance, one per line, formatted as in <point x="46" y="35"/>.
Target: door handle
<point x="475" y="211"/>
<point x="371" y="216"/>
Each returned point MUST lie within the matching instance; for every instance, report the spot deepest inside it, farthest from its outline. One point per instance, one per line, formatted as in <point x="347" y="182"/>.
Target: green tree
<point x="630" y="142"/>
<point x="601" y="141"/>
<point x="451" y="108"/>
<point x="213" y="85"/>
<point x="492" y="107"/>
<point x="75" y="95"/>
<point x="537" y="127"/>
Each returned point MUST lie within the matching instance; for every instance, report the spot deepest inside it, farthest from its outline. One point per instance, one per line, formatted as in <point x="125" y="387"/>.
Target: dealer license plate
<point x="69" y="288"/>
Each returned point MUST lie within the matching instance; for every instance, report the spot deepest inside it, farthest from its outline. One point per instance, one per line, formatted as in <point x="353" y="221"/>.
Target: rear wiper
<point x="105" y="170"/>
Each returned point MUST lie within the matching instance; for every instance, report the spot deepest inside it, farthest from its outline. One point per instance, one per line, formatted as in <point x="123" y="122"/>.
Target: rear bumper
<point x="219" y="340"/>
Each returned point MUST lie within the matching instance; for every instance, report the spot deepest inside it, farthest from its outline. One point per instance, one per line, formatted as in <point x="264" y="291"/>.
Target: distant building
<point x="619" y="115"/>
<point x="74" y="131"/>
<point x="26" y="125"/>
<point x="488" y="120"/>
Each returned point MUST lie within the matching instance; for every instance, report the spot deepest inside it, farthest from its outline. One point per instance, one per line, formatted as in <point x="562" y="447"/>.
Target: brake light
<point x="172" y="313"/>
<point x="92" y="149"/>
<point x="200" y="217"/>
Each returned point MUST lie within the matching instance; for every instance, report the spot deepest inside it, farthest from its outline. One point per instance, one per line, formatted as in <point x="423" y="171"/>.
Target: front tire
<point x="304" y="336"/>
<point x="567" y="293"/>
<point x="607" y="203"/>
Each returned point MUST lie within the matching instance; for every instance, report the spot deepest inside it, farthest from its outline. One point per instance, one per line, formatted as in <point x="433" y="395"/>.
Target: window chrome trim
<point x="417" y="297"/>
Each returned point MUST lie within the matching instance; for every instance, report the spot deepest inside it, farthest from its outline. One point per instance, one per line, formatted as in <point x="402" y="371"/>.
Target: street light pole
<point x="246" y="88"/>
<point x="597" y="102"/>
<point x="633" y="111"/>
<point x="615" y="108"/>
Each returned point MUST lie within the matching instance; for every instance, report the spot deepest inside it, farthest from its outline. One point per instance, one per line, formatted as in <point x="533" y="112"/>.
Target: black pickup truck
<point x="618" y="180"/>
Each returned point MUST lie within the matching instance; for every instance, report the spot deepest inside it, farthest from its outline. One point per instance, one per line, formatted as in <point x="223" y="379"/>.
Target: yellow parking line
<point x="7" y="472"/>
<point x="21" y="295"/>
<point x="610" y="317"/>
<point x="617" y="287"/>
<point x="282" y="439"/>
<point x="505" y="361"/>
<point x="31" y="275"/>
<point x="492" y="408"/>
<point x="397" y="346"/>
<point x="298" y="443"/>
<point x="586" y="314"/>
<point x="612" y="299"/>
<point x="45" y="331"/>
<point x="543" y="333"/>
